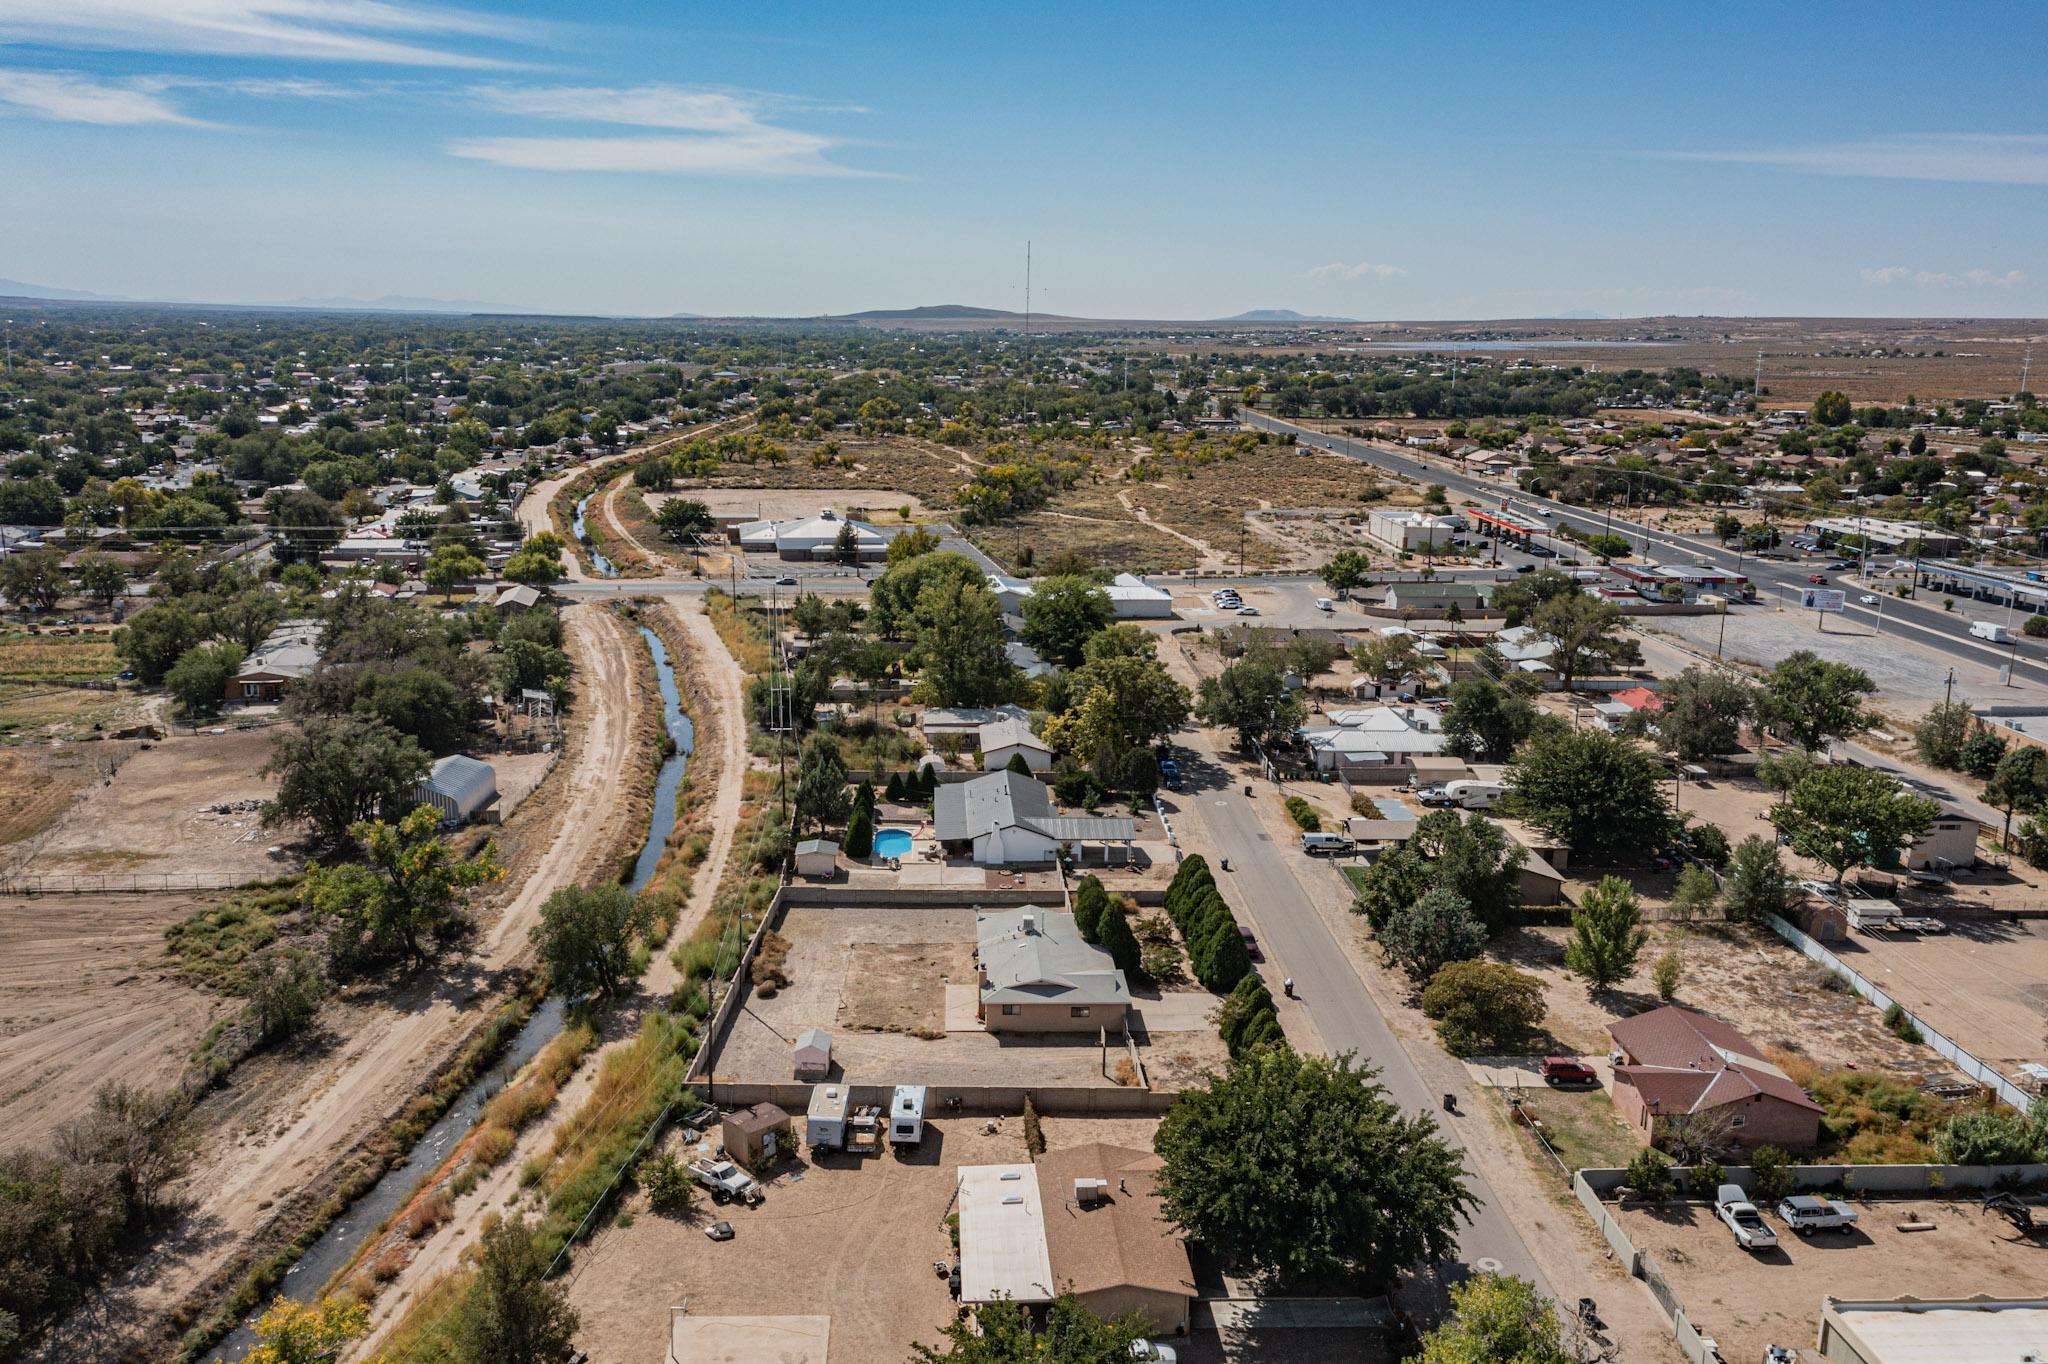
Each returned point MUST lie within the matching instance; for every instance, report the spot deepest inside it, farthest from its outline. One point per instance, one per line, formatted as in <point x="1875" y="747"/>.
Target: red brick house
<point x="1672" y="1062"/>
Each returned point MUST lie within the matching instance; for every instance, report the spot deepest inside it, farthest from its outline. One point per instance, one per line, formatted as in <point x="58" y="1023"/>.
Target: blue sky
<point x="1185" y="160"/>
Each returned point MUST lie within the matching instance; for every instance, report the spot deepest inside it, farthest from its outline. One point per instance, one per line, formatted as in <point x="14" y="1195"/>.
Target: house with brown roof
<point x="1674" y="1063"/>
<point x="1084" y="1220"/>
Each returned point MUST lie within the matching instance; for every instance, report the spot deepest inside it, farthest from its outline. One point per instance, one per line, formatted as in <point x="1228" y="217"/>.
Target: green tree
<point x="1483" y="1008"/>
<point x="1114" y="929"/>
<point x="1437" y="929"/>
<point x="34" y="579"/>
<point x="586" y="938"/>
<point x="1770" y="1175"/>
<point x="286" y="986"/>
<point x="538" y="562"/>
<point x="199" y="679"/>
<point x="1091" y="901"/>
<point x="1251" y="697"/>
<point x="1845" y="817"/>
<point x="1302" y="1165"/>
<point x="409" y="884"/>
<point x="909" y="544"/>
<point x="1666" y="974"/>
<point x="1121" y="701"/>
<point x="1598" y="793"/>
<point x="1346" y="569"/>
<point x="894" y="596"/>
<point x="1831" y="408"/>
<point x="1002" y="1333"/>
<point x="1757" y="885"/>
<point x="336" y="773"/>
<point x="451" y="565"/>
<point x="1700" y="714"/>
<point x="1648" y="1176"/>
<point x="1695" y="892"/>
<point x="1486" y="722"/>
<point x="1585" y="632"/>
<point x="2019" y="782"/>
<point x="1518" y="601"/>
<point x="1062" y="614"/>
<point x="1473" y="858"/>
<point x="1395" y="879"/>
<point x="512" y="1314"/>
<point x="958" y="645"/>
<point x="1497" y="1319"/>
<point x="859" y="843"/>
<point x="1810" y="701"/>
<point x="306" y="524"/>
<point x="1939" y="736"/>
<point x="308" y="1333"/>
<point x="1981" y="753"/>
<point x="822" y="797"/>
<point x="683" y="518"/>
<point x="1995" y="1138"/>
<point x="1386" y="659"/>
<point x="1607" y="935"/>
<point x="103" y="579"/>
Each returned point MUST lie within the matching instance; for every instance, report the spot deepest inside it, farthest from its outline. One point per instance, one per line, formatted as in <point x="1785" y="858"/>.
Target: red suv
<point x="1568" y="1070"/>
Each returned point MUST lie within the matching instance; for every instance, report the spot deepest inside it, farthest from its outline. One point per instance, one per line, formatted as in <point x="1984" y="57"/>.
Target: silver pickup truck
<point x="1806" y="1214"/>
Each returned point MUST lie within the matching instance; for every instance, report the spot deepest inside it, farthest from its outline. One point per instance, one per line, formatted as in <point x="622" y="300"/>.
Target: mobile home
<point x="906" y="1115"/>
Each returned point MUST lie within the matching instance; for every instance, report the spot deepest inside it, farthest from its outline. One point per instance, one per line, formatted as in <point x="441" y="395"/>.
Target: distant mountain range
<point x="14" y="288"/>
<point x="1580" y="315"/>
<point x="402" y="303"/>
<point x="1281" y="315"/>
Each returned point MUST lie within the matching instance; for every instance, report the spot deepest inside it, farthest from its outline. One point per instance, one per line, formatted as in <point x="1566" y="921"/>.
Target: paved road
<point x="1298" y="943"/>
<point x="1946" y="632"/>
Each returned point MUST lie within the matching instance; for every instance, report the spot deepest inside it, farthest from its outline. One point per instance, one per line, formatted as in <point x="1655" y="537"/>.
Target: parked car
<point x="728" y="1182"/>
<point x="1247" y="610"/>
<point x="1327" y="844"/>
<point x="1251" y="944"/>
<point x="719" y="1231"/>
<point x="1568" y="1070"/>
<point x="1806" y="1214"/>
<point x="1740" y="1216"/>
<point x="1153" y="1352"/>
<point x="1822" y="890"/>
<point x="1169" y="774"/>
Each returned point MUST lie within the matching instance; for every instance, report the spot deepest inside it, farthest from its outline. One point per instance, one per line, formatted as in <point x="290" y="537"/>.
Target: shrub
<point x="1483" y="1007"/>
<point x="1122" y="945"/>
<point x="670" y="1190"/>
<point x="1090" y="900"/>
<point x="1707" y="1176"/>
<point x="1034" y="1134"/>
<point x="1649" y="1176"/>
<point x="1665" y="975"/>
<point x="860" y="833"/>
<point x="1770" y="1175"/>
<point x="1304" y="815"/>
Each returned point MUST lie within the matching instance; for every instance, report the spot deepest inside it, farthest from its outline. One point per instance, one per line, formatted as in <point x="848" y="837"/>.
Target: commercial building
<point x="1411" y="530"/>
<point x="1035" y="974"/>
<point x="828" y="535"/>
<point x="1976" y="1330"/>
<point x="1130" y="597"/>
<point x="1890" y="535"/>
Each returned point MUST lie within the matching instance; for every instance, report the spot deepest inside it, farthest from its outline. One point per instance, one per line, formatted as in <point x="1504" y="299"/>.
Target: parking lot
<point x="876" y="978"/>
<point x="1749" y="1300"/>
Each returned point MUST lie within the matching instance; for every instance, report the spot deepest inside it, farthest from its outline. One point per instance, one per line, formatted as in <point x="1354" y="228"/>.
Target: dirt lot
<point x="152" y="818"/>
<point x="853" y="1237"/>
<point x="1984" y="982"/>
<point x="87" y="996"/>
<point x="1746" y="1301"/>
<point x="889" y="985"/>
<point x="38" y="784"/>
<point x="1750" y="978"/>
<point x="868" y="504"/>
<point x="827" y="950"/>
<point x="930" y="473"/>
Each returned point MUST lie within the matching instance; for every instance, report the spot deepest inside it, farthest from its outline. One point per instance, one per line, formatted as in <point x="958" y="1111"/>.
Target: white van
<point x="1328" y="845"/>
<point x="1984" y="629"/>
<point x="1325" y="604"/>
<point x="1472" y="795"/>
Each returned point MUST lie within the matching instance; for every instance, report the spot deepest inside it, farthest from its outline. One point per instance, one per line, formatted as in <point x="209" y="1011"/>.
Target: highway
<point x="1946" y="632"/>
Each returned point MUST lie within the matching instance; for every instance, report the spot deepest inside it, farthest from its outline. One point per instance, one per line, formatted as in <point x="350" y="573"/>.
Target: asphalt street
<point x="1298" y="943"/>
<point x="1947" y="632"/>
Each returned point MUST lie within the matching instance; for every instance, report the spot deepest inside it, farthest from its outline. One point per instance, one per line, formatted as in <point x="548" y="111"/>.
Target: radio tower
<point x="2026" y="363"/>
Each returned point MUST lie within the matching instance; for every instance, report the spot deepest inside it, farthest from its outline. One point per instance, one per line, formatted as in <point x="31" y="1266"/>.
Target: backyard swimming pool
<point x="892" y="843"/>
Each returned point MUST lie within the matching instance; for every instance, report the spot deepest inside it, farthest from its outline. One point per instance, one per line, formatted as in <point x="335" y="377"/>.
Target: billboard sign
<point x="1822" y="599"/>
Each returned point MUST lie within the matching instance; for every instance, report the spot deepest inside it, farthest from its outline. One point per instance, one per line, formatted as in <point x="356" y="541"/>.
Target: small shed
<point x="813" y="1054"/>
<point x="817" y="859"/>
<point x="461" y="788"/>
<point x="755" y="1136"/>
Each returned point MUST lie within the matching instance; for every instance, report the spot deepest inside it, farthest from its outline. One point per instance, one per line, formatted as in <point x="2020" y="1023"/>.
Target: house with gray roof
<point x="1035" y="974"/>
<point x="288" y="653"/>
<point x="1007" y="818"/>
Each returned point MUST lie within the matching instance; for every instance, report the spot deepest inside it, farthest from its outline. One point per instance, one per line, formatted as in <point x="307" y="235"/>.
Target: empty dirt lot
<point x="87" y="996"/>
<point x="1747" y="1301"/>
<point x="831" y="954"/>
<point x="1984" y="982"/>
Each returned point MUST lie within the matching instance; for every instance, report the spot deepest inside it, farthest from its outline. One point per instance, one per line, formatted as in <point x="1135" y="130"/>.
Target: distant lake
<point x="1507" y="345"/>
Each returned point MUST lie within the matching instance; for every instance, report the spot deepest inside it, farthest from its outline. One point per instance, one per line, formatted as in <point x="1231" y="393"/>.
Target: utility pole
<point x="1027" y="290"/>
<point x="1948" y="688"/>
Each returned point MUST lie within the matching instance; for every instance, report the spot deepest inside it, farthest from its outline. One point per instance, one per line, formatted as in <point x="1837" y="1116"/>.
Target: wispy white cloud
<point x="374" y="31"/>
<point x="1899" y="276"/>
<point x="729" y="132"/>
<point x="1979" y="158"/>
<point x="65" y="97"/>
<point x="1339" y="271"/>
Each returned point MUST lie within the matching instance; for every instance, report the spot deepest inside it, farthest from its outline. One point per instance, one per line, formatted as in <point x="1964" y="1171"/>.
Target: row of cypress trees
<point x="1216" y="950"/>
<point x="1104" y="921"/>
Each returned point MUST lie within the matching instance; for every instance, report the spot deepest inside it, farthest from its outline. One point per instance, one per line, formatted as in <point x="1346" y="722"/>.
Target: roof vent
<point x="1030" y="922"/>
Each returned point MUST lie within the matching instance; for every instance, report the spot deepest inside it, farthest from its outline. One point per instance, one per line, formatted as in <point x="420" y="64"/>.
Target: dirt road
<point x="565" y="833"/>
<point x="714" y="685"/>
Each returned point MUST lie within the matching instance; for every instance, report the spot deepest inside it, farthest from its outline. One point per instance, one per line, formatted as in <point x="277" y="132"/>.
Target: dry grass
<point x="70" y="658"/>
<point x="900" y="987"/>
<point x="769" y="970"/>
<point x="928" y="472"/>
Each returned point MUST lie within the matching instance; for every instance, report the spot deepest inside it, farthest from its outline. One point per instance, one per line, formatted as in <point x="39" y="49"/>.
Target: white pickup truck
<point x="728" y="1182"/>
<point x="1806" y="1214"/>
<point x="1733" y="1207"/>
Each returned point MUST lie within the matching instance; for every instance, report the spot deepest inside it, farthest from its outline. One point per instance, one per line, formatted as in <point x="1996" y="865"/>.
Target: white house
<point x="1007" y="738"/>
<point x="1007" y="818"/>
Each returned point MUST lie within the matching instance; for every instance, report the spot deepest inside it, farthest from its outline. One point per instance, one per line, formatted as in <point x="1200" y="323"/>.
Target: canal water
<point x="340" y="1242"/>
<point x="598" y="561"/>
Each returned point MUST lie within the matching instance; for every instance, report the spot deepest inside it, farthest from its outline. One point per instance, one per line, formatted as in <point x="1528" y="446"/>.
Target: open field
<point x="1747" y="1300"/>
<point x="152" y="818"/>
<point x="37" y="785"/>
<point x="930" y="473"/>
<point x="831" y="949"/>
<point x="89" y="996"/>
<point x="880" y="505"/>
<point x="40" y="711"/>
<point x="77" y="658"/>
<point x="1984" y="982"/>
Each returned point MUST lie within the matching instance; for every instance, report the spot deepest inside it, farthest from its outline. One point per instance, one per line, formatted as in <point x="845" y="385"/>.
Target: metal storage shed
<point x="755" y="1136"/>
<point x="460" y="788"/>
<point x="813" y="1054"/>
